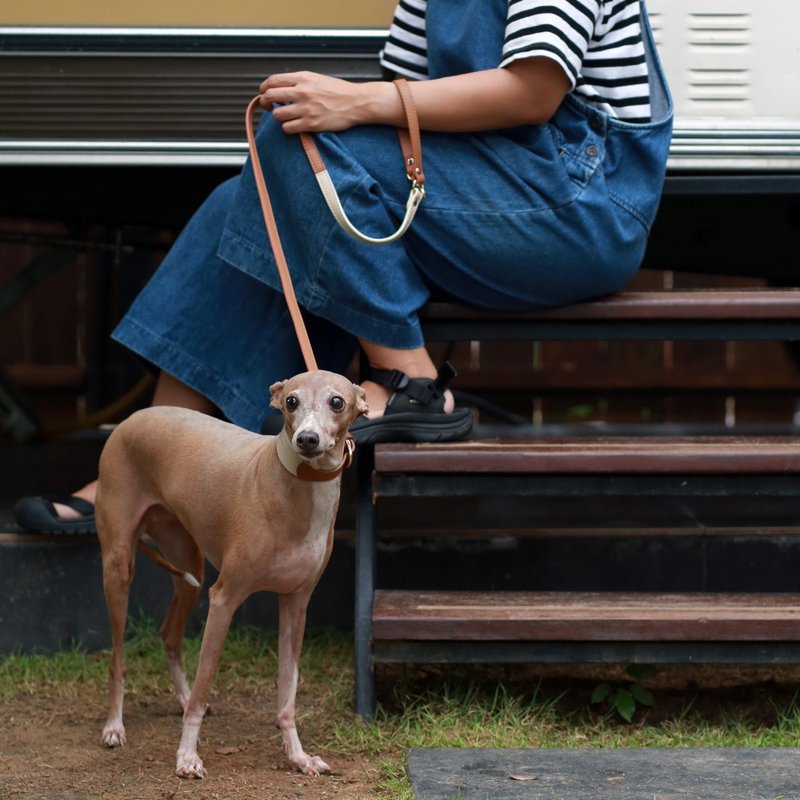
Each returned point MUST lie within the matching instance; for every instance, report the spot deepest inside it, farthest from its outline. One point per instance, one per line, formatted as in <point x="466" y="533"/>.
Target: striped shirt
<point x="598" y="44"/>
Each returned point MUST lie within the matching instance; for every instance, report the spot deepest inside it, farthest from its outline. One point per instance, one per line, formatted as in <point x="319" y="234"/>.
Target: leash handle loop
<point x="411" y="146"/>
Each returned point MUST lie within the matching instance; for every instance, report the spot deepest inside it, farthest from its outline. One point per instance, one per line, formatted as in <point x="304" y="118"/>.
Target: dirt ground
<point x="51" y="750"/>
<point x="50" y="742"/>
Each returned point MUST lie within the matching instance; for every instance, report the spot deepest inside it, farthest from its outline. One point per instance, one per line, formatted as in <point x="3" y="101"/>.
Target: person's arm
<point x="526" y="92"/>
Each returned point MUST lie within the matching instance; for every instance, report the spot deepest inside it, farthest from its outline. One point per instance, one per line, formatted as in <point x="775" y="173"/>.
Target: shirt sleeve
<point x="405" y="51"/>
<point x="557" y="29"/>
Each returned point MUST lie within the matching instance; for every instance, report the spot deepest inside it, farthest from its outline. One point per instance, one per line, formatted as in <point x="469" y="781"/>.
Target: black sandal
<point x="38" y="514"/>
<point x="415" y="411"/>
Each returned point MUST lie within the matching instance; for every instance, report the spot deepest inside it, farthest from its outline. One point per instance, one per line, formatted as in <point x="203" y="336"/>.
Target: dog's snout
<point x="307" y="441"/>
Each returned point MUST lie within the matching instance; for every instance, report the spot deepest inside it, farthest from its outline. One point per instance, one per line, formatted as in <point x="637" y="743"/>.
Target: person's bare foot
<point x="415" y="363"/>
<point x="378" y="396"/>
<point x="88" y="493"/>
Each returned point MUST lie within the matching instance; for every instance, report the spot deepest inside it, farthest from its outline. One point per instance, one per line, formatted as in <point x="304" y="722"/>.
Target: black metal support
<point x="365" y="586"/>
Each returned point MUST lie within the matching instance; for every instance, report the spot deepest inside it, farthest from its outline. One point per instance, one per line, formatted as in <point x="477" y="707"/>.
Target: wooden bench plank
<point x="587" y="454"/>
<point x="583" y="616"/>
<point x="663" y="304"/>
<point x="663" y="315"/>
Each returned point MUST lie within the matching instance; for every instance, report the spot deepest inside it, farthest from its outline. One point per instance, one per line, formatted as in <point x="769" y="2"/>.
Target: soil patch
<point x="52" y="751"/>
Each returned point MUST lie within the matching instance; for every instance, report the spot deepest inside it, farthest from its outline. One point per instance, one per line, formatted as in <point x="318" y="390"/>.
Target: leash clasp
<point x="349" y="451"/>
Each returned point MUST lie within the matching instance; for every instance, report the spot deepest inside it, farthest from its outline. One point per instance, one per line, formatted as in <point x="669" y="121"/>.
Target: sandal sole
<point x="414" y="428"/>
<point x="34" y="515"/>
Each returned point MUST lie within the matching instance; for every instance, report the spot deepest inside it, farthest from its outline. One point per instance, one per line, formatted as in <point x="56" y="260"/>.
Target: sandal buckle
<point x="394" y="379"/>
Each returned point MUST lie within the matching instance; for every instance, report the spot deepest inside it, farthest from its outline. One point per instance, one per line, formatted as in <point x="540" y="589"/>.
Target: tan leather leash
<point x="411" y="145"/>
<point x="277" y="248"/>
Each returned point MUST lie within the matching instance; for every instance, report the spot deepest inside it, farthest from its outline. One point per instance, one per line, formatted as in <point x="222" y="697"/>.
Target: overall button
<point x="592" y="151"/>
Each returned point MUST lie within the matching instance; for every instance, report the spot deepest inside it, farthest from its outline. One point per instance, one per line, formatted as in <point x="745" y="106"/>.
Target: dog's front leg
<point x="292" y="623"/>
<point x="220" y="612"/>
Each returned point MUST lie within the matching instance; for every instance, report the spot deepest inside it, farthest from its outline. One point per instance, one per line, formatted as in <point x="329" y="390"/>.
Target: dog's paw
<point x="190" y="765"/>
<point x="114" y="735"/>
<point x="309" y="765"/>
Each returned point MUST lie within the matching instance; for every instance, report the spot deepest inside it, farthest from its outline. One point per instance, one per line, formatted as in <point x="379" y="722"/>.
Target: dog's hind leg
<point x="118" y="568"/>
<point x="178" y="546"/>
<point x="183" y="601"/>
<point x="291" y="629"/>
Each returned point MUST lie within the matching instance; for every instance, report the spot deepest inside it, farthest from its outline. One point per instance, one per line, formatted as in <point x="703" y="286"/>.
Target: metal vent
<point x="657" y="25"/>
<point x="154" y="86"/>
<point x="719" y="74"/>
<point x="727" y="31"/>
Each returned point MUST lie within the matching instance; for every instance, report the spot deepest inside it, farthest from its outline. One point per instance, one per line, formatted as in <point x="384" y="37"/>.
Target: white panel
<point x="730" y="58"/>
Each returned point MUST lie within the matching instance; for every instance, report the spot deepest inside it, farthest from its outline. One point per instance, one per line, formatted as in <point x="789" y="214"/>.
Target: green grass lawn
<point x="435" y="707"/>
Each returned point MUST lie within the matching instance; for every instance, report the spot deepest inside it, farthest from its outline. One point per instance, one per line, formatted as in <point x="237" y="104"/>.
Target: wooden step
<point x="618" y="454"/>
<point x="715" y="303"/>
<point x="584" y="616"/>
<point x="680" y="314"/>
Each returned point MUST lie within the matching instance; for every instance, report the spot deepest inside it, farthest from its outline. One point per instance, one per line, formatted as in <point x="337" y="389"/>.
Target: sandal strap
<point x="83" y="507"/>
<point x="423" y="390"/>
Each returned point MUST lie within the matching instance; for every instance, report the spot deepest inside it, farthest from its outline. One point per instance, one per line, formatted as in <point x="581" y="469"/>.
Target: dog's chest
<point x="304" y="552"/>
<point x="324" y="502"/>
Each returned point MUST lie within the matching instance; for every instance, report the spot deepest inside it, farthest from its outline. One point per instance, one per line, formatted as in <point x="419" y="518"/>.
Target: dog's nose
<point x="307" y="441"/>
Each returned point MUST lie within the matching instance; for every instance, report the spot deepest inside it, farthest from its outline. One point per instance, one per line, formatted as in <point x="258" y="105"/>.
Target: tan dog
<point x="260" y="508"/>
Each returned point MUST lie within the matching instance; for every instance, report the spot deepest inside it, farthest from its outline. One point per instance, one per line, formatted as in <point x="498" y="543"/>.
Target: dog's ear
<point x="361" y="400"/>
<point x="276" y="392"/>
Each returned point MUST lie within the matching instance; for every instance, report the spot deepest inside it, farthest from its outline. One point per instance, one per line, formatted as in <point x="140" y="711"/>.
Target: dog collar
<point x="295" y="465"/>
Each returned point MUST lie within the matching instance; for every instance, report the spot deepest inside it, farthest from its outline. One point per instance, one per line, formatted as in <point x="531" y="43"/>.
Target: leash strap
<point x="277" y="248"/>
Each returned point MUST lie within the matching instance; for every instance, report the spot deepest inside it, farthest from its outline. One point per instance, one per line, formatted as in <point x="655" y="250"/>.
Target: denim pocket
<point x="580" y="160"/>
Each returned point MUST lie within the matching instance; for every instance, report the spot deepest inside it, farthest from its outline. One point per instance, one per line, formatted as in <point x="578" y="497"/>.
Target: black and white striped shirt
<point x="598" y="44"/>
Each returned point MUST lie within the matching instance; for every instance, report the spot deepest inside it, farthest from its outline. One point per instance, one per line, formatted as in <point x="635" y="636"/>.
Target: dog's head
<point x="318" y="408"/>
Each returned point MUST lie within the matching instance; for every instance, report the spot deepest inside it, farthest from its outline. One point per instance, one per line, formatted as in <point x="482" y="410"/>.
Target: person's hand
<point x="308" y="101"/>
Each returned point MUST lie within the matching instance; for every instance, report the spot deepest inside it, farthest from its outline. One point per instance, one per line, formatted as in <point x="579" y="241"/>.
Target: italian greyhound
<point x="261" y="509"/>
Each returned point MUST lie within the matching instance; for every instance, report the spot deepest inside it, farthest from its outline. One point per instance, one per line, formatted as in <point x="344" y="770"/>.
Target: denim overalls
<point x="522" y="218"/>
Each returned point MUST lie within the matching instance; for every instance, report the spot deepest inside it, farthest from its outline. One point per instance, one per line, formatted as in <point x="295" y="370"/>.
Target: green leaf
<point x="624" y="704"/>
<point x="642" y="695"/>
<point x="601" y="692"/>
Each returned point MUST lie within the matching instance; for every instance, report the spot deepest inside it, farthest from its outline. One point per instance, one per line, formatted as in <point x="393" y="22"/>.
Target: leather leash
<point x="411" y="146"/>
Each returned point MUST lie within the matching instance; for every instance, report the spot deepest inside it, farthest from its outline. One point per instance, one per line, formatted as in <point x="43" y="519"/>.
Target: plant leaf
<point x="624" y="704"/>
<point x="601" y="692"/>
<point x="642" y="695"/>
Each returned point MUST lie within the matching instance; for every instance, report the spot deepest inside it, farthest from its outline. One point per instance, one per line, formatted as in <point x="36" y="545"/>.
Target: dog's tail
<point x="151" y="550"/>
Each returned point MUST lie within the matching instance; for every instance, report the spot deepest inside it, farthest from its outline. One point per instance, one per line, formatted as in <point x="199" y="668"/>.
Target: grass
<point x="432" y="707"/>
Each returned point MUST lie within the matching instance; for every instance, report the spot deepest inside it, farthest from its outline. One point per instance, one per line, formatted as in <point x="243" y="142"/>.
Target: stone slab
<point x="605" y="774"/>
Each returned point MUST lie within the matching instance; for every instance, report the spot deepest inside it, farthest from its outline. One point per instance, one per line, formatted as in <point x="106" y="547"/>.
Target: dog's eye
<point x="336" y="403"/>
<point x="292" y="403"/>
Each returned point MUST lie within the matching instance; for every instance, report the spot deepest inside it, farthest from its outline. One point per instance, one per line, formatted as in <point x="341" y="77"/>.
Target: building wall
<point x="236" y="13"/>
